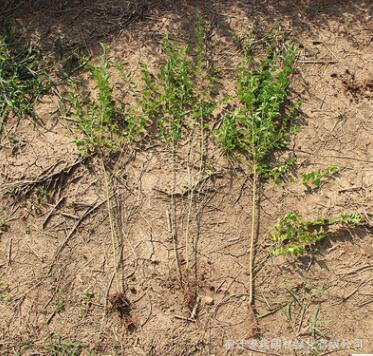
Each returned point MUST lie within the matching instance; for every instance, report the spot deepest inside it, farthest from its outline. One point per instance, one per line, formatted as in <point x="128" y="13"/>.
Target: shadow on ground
<point x="90" y="22"/>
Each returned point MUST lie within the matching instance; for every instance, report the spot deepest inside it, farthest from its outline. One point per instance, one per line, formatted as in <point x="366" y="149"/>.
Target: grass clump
<point x="65" y="347"/>
<point x="292" y="235"/>
<point x="313" y="180"/>
<point x="24" y="76"/>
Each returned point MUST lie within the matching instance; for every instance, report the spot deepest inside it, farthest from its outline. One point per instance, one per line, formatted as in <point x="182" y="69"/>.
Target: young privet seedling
<point x="313" y="180"/>
<point x="262" y="120"/>
<point x="292" y="235"/>
<point x="175" y="97"/>
<point x="24" y="76"/>
<point x="94" y="119"/>
<point x="100" y="122"/>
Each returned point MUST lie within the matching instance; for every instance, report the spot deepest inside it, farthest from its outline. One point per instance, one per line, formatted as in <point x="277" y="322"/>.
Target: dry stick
<point x="193" y="314"/>
<point x="191" y="196"/>
<point x="174" y="222"/>
<point x="24" y="187"/>
<point x="10" y="251"/>
<point x="318" y="62"/>
<point x="253" y="235"/>
<point x="89" y="211"/>
<point x="304" y="307"/>
<point x="52" y="211"/>
<point x="112" y="229"/>
<point x="184" y="318"/>
<point x="273" y="311"/>
<point x="190" y="201"/>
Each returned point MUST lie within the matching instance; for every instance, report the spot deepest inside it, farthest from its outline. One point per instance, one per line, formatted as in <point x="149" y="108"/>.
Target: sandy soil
<point x="141" y="307"/>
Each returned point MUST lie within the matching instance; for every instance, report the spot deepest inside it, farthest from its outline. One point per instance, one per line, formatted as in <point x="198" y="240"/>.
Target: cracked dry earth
<point x="58" y="279"/>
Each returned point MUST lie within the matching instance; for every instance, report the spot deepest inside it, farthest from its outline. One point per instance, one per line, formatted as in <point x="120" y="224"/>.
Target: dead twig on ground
<point x="193" y="314"/>
<point x="318" y="62"/>
<point x="361" y="284"/>
<point x="272" y="311"/>
<point x="184" y="318"/>
<point x="50" y="181"/>
<point x="48" y="217"/>
<point x="87" y="213"/>
<point x="10" y="251"/>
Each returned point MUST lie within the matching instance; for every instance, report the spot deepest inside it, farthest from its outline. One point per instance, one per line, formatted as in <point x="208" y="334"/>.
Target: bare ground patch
<point x="62" y="281"/>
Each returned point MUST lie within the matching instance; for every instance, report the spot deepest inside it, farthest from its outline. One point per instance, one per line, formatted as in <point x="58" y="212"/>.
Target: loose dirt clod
<point x="209" y="300"/>
<point x="358" y="89"/>
<point x="120" y="303"/>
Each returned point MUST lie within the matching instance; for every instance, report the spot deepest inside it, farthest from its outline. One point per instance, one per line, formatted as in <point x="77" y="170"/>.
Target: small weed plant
<point x="277" y="173"/>
<point x="65" y="347"/>
<point x="59" y="306"/>
<point x="24" y="76"/>
<point x="313" y="180"/>
<point x="4" y="225"/>
<point x="88" y="295"/>
<point x="4" y="292"/>
<point x="292" y="235"/>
